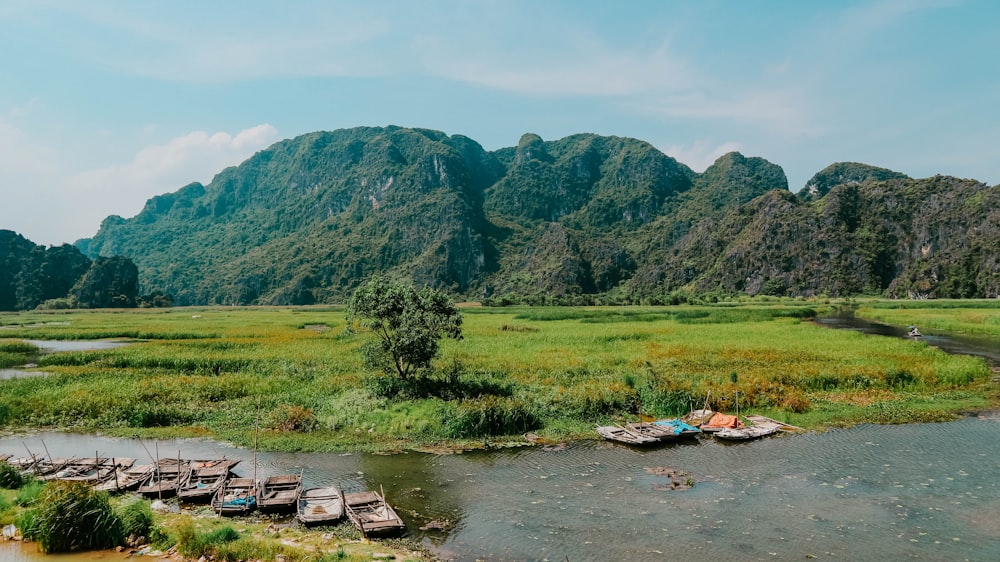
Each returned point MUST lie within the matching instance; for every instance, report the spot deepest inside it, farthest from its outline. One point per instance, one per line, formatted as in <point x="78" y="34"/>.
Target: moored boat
<point x="372" y="515"/>
<point x="93" y="473"/>
<point x="625" y="435"/>
<point x="280" y="494"/>
<point x="205" y="480"/>
<point x="320" y="506"/>
<point x="126" y="479"/>
<point x="168" y="476"/>
<point x="759" y="428"/>
<point x="238" y="496"/>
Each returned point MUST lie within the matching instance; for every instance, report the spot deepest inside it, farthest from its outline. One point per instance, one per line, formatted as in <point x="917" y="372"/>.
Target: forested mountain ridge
<point x="308" y="219"/>
<point x="34" y="276"/>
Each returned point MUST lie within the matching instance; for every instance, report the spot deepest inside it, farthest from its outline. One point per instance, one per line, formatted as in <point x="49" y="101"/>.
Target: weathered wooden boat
<point x="759" y="429"/>
<point x="372" y="515"/>
<point x="320" y="506"/>
<point x="168" y="476"/>
<point x="280" y="494"/>
<point x="26" y="465"/>
<point x="205" y="480"/>
<point x="697" y="418"/>
<point x="126" y="479"/>
<point x="623" y="435"/>
<point x="44" y="469"/>
<point x="677" y="427"/>
<point x="96" y="473"/>
<point x="73" y="467"/>
<point x="238" y="496"/>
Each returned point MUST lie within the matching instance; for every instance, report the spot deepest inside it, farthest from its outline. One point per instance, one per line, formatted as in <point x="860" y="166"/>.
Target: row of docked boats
<point x="213" y="482"/>
<point x="722" y="426"/>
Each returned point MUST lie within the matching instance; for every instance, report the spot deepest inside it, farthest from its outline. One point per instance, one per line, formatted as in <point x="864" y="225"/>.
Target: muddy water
<point x="28" y="552"/>
<point x="926" y="490"/>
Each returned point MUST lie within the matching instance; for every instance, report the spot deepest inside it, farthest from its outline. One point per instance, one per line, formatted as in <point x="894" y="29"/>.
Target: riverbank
<point x="215" y="372"/>
<point x="191" y="533"/>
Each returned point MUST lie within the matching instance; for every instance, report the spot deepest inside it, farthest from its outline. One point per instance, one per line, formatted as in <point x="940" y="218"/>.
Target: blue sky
<point x="104" y="104"/>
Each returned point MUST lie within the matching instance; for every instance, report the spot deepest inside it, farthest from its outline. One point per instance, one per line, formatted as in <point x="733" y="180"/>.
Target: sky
<point x="106" y="103"/>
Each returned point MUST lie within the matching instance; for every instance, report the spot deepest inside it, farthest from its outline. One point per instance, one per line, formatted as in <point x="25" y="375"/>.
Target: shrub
<point x="293" y="418"/>
<point x="137" y="519"/>
<point x="10" y="477"/>
<point x="72" y="516"/>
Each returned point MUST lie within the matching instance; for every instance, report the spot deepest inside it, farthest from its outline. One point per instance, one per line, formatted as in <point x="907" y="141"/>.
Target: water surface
<point x="925" y="491"/>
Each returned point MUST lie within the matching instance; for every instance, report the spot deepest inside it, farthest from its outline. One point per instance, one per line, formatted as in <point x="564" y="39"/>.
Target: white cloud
<point x="159" y="169"/>
<point x="50" y="205"/>
<point x="701" y="154"/>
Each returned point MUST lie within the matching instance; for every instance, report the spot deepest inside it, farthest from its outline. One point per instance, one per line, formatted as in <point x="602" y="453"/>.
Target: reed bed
<point x="558" y="371"/>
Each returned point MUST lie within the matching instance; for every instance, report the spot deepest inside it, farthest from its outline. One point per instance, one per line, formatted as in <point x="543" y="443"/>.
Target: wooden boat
<point x="95" y="473"/>
<point x="913" y="332"/>
<point x="372" y="515"/>
<point x="320" y="506"/>
<point x="44" y="469"/>
<point x="126" y="479"/>
<point x="280" y="494"/>
<point x="697" y="418"/>
<point x="759" y="429"/>
<point x="168" y="476"/>
<point x="677" y="427"/>
<point x="4" y="457"/>
<point x="238" y="496"/>
<point x="624" y="435"/>
<point x="205" y="480"/>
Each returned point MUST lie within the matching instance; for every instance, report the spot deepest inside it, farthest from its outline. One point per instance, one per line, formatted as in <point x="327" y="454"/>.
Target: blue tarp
<point x="677" y="424"/>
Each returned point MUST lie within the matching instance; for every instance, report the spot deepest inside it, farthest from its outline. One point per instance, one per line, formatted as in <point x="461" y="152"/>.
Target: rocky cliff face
<point x="310" y="218"/>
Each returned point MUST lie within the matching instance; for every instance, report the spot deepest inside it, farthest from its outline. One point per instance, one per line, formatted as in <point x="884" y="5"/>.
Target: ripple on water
<point x="926" y="490"/>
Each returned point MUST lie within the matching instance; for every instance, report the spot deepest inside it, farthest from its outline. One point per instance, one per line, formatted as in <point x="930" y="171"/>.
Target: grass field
<point x="555" y="371"/>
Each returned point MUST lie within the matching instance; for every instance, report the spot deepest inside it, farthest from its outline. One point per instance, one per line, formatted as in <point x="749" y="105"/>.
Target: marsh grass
<point x="554" y="370"/>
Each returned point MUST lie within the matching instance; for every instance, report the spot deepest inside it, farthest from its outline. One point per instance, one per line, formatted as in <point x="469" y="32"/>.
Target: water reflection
<point x="56" y="346"/>
<point x="869" y="492"/>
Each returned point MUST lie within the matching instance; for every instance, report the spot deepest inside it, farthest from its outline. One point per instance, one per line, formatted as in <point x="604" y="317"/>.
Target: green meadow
<point x="296" y="373"/>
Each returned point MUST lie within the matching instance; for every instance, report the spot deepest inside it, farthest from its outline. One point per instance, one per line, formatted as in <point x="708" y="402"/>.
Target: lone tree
<point x="407" y="323"/>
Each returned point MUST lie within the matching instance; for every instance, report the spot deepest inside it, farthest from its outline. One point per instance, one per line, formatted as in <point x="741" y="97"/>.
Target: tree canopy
<point x="407" y="323"/>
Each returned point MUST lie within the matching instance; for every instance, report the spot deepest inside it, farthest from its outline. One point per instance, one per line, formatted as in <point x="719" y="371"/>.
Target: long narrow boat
<point x="205" y="480"/>
<point x="372" y="515"/>
<point x="747" y="432"/>
<point x="168" y="476"/>
<point x="126" y="479"/>
<point x="623" y="435"/>
<point x="237" y="497"/>
<point x="98" y="472"/>
<point x="320" y="506"/>
<point x="280" y="494"/>
<point x="663" y="430"/>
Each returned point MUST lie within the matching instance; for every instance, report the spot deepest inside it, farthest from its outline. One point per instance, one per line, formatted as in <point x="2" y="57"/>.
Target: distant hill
<point x="62" y="277"/>
<point x="581" y="219"/>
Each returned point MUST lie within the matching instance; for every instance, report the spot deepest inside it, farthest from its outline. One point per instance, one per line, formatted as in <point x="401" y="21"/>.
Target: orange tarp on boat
<point x="721" y="420"/>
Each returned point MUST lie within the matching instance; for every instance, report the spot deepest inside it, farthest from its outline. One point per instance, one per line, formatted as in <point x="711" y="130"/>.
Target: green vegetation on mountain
<point x="584" y="219"/>
<point x="62" y="277"/>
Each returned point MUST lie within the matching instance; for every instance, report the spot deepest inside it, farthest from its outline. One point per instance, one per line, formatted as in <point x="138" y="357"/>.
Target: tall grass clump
<point x="491" y="416"/>
<point x="10" y="477"/>
<point x="136" y="518"/>
<point x="72" y="516"/>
